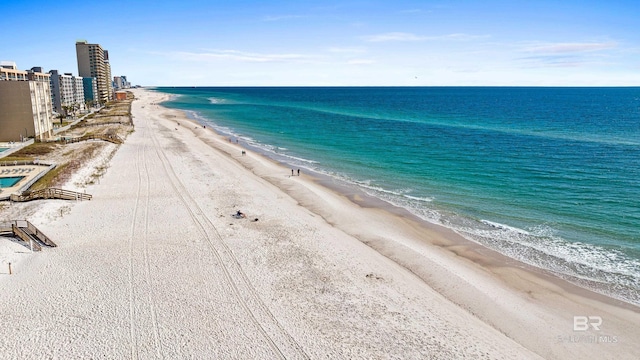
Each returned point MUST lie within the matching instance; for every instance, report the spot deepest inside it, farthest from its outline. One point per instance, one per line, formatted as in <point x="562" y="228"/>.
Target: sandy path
<point x="155" y="266"/>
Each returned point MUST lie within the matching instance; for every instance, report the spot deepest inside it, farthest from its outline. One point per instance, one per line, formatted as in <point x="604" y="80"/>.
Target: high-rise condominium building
<point x="117" y="83"/>
<point x="67" y="93"/>
<point x="108" y="69"/>
<point x="78" y="93"/>
<point x="91" y="64"/>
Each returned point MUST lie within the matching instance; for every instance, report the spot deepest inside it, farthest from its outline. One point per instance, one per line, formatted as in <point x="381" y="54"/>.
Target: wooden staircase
<point x="27" y="232"/>
<point x="50" y="193"/>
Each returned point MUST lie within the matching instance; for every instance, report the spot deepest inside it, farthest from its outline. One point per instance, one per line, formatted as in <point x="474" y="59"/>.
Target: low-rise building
<point x="121" y="95"/>
<point x="9" y="71"/>
<point x="25" y="103"/>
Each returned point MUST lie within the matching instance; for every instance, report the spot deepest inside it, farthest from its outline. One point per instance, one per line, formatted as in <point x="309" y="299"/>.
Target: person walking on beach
<point x="291" y="172"/>
<point x="298" y="172"/>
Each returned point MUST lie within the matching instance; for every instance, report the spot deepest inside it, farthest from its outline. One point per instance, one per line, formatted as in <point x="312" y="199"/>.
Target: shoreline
<point x="155" y="266"/>
<point x="474" y="251"/>
<point x="582" y="261"/>
<point x="530" y="283"/>
<point x="516" y="274"/>
<point x="449" y="238"/>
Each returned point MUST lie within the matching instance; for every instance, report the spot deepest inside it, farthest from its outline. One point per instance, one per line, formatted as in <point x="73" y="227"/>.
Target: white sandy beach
<point x="155" y="266"/>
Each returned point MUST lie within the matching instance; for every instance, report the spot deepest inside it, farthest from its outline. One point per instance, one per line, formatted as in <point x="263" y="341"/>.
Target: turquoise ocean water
<point x="549" y="176"/>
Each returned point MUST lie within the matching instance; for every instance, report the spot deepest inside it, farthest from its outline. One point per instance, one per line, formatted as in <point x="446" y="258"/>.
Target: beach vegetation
<point x="63" y="123"/>
<point x="68" y="164"/>
<point x="31" y="152"/>
<point x="49" y="179"/>
<point x="112" y="121"/>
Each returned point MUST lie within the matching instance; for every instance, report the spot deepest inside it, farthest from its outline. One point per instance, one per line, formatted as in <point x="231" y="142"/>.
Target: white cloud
<point x="462" y="37"/>
<point x="551" y="61"/>
<point x="564" y="48"/>
<point x="401" y="36"/>
<point x="282" y="17"/>
<point x="360" y="62"/>
<point x="394" y="36"/>
<point x="566" y="55"/>
<point x="411" y="11"/>
<point x="234" y="55"/>
<point x="347" y="50"/>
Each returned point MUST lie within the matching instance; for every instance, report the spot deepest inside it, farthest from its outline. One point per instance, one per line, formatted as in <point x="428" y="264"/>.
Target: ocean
<point x="548" y="176"/>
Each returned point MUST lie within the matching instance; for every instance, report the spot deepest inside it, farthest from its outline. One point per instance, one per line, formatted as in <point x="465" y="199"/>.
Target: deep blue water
<point x="550" y="176"/>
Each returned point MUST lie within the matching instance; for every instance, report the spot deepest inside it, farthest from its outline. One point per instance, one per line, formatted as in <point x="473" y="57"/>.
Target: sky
<point x="336" y="43"/>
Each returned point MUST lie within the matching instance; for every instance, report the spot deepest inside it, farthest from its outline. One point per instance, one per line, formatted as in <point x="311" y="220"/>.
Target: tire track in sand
<point x="132" y="230"/>
<point x="143" y="181"/>
<point x="147" y="264"/>
<point x="239" y="284"/>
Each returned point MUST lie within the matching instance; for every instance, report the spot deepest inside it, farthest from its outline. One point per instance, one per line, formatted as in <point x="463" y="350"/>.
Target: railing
<point x="110" y="138"/>
<point x="26" y="237"/>
<point x="107" y="123"/>
<point x="38" y="234"/>
<point x="50" y="193"/>
<point x="23" y="162"/>
<point x="33" y="180"/>
<point x="5" y="226"/>
<point x="27" y="232"/>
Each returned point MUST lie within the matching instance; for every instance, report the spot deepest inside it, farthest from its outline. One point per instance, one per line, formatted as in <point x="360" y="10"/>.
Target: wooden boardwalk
<point x="110" y="138"/>
<point x="50" y="193"/>
<point x="28" y="233"/>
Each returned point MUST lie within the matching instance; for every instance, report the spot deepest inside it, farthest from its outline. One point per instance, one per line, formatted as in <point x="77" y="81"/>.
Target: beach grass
<point x="71" y="157"/>
<point x="33" y="151"/>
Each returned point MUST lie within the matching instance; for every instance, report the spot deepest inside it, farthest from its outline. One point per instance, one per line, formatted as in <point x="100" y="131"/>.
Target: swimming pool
<point x="3" y="149"/>
<point x="6" y="182"/>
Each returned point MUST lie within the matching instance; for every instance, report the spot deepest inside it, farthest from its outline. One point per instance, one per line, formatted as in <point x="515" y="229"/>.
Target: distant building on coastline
<point x="67" y="92"/>
<point x="117" y="83"/>
<point x="107" y="65"/>
<point x="120" y="82"/>
<point x="25" y="103"/>
<point x="92" y="64"/>
<point x="125" y="83"/>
